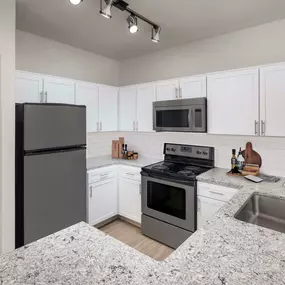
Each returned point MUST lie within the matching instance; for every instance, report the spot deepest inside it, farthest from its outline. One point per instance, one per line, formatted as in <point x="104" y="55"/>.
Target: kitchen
<point x="224" y="249"/>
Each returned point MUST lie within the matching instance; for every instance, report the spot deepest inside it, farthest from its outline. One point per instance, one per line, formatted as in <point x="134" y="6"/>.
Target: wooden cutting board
<point x="251" y="156"/>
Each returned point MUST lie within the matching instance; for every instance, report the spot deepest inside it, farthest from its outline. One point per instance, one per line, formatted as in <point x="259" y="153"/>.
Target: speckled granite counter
<point x="106" y="160"/>
<point x="224" y="251"/>
<point x="219" y="176"/>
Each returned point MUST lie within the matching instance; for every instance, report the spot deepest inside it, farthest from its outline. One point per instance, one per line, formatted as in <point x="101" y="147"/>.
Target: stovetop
<point x="183" y="162"/>
<point x="174" y="169"/>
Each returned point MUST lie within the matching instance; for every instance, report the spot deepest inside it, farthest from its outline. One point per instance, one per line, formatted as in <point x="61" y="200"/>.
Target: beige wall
<point x="7" y="125"/>
<point x="41" y="55"/>
<point x="254" y="46"/>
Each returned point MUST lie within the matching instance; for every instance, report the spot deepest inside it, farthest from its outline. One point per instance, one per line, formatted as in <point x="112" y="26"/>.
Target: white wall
<point x="254" y="46"/>
<point x="272" y="150"/>
<point x="41" y="55"/>
<point x="7" y="125"/>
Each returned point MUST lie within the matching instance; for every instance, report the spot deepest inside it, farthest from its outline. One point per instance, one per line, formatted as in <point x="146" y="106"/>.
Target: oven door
<point x="180" y="119"/>
<point x="171" y="202"/>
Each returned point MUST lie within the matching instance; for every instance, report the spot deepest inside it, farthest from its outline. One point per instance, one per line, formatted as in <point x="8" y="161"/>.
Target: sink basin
<point x="267" y="212"/>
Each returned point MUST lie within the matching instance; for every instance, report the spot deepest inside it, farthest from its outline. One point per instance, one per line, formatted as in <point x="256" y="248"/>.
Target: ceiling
<point x="182" y="22"/>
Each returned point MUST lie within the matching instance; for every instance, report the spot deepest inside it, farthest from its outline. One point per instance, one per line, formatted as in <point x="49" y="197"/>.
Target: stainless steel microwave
<point x="186" y="115"/>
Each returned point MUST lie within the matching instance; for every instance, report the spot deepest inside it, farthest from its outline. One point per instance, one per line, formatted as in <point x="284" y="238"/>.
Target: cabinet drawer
<point x="216" y="192"/>
<point x="101" y="175"/>
<point x="132" y="173"/>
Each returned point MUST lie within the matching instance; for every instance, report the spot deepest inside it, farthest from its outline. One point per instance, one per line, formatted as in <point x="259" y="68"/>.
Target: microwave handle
<point x="192" y="118"/>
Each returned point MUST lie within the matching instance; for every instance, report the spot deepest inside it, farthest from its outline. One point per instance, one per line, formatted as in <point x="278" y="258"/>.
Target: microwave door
<point x="172" y="119"/>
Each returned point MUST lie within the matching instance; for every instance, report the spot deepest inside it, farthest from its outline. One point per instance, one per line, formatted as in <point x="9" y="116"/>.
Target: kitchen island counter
<point x="224" y="251"/>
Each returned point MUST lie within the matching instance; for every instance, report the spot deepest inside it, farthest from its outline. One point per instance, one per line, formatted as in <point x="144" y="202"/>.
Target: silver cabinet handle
<point x="262" y="128"/>
<point x="216" y="193"/>
<point x="134" y="125"/>
<point x="198" y="205"/>
<point x="176" y="93"/>
<point x="137" y="126"/>
<point x="256" y="127"/>
<point x="140" y="189"/>
<point x="42" y="97"/>
<point x="91" y="190"/>
<point x="180" y="92"/>
<point x="46" y="97"/>
<point x="100" y="126"/>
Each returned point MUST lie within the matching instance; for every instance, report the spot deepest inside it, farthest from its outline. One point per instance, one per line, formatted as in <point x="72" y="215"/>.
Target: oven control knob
<point x="168" y="149"/>
<point x="199" y="152"/>
<point x="173" y="149"/>
<point x="205" y="153"/>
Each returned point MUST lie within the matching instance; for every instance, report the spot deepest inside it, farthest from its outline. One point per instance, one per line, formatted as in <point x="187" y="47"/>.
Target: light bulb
<point x="134" y="29"/>
<point x="75" y="2"/>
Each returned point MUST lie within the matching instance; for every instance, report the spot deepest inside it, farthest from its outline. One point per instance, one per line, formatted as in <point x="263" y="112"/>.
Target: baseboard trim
<point x="114" y="218"/>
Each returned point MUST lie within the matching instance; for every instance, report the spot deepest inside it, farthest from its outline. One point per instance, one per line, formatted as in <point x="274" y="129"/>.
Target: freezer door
<point x="54" y="192"/>
<point x="48" y="126"/>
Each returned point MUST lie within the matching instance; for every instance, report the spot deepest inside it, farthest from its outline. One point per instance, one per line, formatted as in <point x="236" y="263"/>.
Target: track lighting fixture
<point x="132" y="19"/>
<point x="75" y="2"/>
<point x="106" y="12"/>
<point x="133" y="24"/>
<point x="155" y="34"/>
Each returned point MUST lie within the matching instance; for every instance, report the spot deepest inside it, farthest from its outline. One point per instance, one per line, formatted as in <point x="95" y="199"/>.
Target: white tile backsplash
<point x="272" y="150"/>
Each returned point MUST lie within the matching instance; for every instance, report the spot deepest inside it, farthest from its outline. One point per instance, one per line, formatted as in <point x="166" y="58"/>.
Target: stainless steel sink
<point x="267" y="212"/>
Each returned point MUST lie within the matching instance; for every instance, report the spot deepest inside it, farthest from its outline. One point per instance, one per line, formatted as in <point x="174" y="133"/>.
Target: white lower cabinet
<point x="102" y="195"/>
<point x="114" y="190"/>
<point x="130" y="199"/>
<point x="211" y="198"/>
<point x="206" y="208"/>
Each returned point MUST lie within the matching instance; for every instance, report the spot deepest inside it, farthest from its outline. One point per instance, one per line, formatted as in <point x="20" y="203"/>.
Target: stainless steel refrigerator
<point x="50" y="169"/>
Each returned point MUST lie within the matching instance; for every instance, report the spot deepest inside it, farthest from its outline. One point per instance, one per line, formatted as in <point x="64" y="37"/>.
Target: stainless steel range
<point x="169" y="193"/>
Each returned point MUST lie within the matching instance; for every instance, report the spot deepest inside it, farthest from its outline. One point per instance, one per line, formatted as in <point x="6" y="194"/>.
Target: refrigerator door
<point x="54" y="192"/>
<point x="48" y="126"/>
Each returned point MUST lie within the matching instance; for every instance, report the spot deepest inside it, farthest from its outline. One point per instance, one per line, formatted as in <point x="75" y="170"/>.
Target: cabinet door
<point x="29" y="88"/>
<point x="108" y="108"/>
<point x="127" y="108"/>
<point x="272" y="100"/>
<point x="102" y="201"/>
<point x="206" y="209"/>
<point x="167" y="90"/>
<point x="59" y="90"/>
<point x="233" y="102"/>
<point x="193" y="87"/>
<point x="145" y="98"/>
<point x="87" y="95"/>
<point x="130" y="199"/>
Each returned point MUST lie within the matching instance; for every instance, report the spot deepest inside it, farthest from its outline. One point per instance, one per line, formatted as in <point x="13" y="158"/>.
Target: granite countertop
<point x="225" y="251"/>
<point x="219" y="176"/>
<point x="107" y="160"/>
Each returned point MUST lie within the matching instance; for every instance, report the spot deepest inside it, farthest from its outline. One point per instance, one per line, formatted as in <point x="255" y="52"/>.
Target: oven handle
<point x="168" y="179"/>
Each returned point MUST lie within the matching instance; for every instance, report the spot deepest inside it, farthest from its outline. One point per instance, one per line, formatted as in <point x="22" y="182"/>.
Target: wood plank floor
<point x="132" y="236"/>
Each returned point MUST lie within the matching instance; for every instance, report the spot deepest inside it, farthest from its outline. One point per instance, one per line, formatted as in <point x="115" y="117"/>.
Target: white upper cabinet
<point x="29" y="88"/>
<point x="145" y="98"/>
<point x="87" y="94"/>
<point x="193" y="87"/>
<point x="167" y="90"/>
<point x="108" y="108"/>
<point x="233" y="102"/>
<point x="127" y="109"/>
<point x="58" y="90"/>
<point x="272" y="100"/>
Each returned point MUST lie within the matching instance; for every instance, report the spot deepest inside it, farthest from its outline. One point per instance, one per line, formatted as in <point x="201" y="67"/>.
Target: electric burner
<point x="186" y="173"/>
